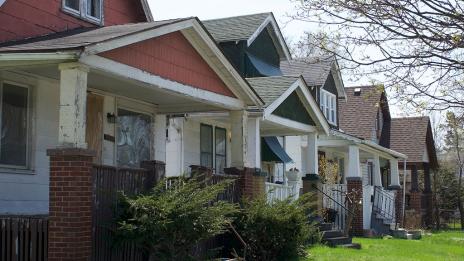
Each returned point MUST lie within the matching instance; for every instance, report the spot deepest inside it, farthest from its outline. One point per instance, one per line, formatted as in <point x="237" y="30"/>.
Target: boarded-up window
<point x="134" y="132"/>
<point x="94" y="128"/>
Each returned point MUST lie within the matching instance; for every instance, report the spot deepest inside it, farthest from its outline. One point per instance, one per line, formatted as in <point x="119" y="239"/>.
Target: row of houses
<point x="101" y="82"/>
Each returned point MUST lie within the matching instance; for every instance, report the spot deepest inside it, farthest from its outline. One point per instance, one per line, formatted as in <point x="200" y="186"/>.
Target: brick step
<point x="331" y="234"/>
<point x="325" y="226"/>
<point x="336" y="241"/>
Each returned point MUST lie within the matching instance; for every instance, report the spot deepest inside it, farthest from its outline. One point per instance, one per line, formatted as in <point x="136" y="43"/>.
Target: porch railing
<point x="333" y="197"/>
<point x="384" y="205"/>
<point x="278" y="192"/>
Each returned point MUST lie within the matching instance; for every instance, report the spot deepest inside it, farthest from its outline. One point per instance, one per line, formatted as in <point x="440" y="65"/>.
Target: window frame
<point x="27" y="166"/>
<point x="82" y="12"/>
<point x="215" y="148"/>
<point x="213" y="143"/>
<point x="328" y="105"/>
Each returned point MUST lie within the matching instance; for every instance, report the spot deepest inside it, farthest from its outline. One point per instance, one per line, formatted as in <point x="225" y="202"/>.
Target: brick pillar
<point x="251" y="181"/>
<point x="157" y="170"/>
<point x="354" y="187"/>
<point x="70" y="204"/>
<point x="310" y="184"/>
<point x="428" y="220"/>
<point x="399" y="206"/>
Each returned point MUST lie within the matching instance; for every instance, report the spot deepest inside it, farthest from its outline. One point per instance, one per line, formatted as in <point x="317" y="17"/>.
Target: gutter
<point x="57" y="56"/>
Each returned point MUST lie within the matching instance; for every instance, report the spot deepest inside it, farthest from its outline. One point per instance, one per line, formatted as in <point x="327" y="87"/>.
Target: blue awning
<point x="272" y="151"/>
<point x="264" y="68"/>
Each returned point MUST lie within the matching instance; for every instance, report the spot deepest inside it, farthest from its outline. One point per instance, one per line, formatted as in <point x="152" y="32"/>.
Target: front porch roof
<point x="340" y="139"/>
<point x="85" y="44"/>
<point x="275" y="91"/>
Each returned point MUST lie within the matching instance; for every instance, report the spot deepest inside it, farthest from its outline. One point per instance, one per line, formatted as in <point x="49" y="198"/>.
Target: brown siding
<point x="172" y="57"/>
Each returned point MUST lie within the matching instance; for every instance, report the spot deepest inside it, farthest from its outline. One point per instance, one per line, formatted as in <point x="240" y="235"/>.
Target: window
<point x="206" y="146"/>
<point x="90" y="10"/>
<point x="213" y="147"/>
<point x="221" y="148"/>
<point x="134" y="134"/>
<point x="328" y="104"/>
<point x="14" y="127"/>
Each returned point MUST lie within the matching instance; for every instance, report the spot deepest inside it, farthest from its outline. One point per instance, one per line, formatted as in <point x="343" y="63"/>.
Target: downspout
<point x="404" y="190"/>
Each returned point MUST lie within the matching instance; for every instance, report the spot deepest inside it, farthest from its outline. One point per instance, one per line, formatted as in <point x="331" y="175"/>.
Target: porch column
<point x="355" y="190"/>
<point x="254" y="143"/>
<point x="377" y="175"/>
<point x="239" y="131"/>
<point x="414" y="179"/>
<point x="73" y="100"/>
<point x="312" y="161"/>
<point x="395" y="176"/>
<point x="428" y="196"/>
<point x="160" y="138"/>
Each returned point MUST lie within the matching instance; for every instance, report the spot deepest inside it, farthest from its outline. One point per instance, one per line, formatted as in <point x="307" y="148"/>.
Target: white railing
<point x="384" y="204"/>
<point x="334" y="198"/>
<point x="278" y="192"/>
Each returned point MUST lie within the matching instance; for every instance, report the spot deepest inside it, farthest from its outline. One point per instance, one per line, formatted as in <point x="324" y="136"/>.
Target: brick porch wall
<point x="354" y="184"/>
<point x="70" y="204"/>
<point x="251" y="182"/>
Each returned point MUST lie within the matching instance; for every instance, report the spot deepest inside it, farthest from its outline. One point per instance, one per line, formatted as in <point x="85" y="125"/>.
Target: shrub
<point x="277" y="231"/>
<point x="168" y="222"/>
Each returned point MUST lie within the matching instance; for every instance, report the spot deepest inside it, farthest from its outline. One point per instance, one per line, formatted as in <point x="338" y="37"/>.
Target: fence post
<point x="70" y="204"/>
<point x="157" y="171"/>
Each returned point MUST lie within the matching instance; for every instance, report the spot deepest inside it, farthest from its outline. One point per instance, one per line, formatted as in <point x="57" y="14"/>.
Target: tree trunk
<point x="460" y="206"/>
<point x="435" y="203"/>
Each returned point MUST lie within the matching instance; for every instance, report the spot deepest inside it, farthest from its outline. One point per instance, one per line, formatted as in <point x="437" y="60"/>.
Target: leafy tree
<point x="169" y="221"/>
<point x="415" y="47"/>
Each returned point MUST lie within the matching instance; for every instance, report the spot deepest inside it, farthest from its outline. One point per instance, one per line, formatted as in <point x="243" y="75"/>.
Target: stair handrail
<point x="379" y="210"/>
<point x="333" y="200"/>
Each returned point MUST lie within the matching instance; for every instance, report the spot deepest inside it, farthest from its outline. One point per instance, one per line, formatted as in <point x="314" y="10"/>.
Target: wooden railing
<point x="384" y="204"/>
<point x="278" y="192"/>
<point x="23" y="238"/>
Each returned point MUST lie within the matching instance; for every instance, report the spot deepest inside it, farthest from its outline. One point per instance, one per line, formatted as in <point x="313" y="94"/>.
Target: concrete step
<point x="336" y="241"/>
<point x="325" y="226"/>
<point x="352" y="246"/>
<point x="331" y="234"/>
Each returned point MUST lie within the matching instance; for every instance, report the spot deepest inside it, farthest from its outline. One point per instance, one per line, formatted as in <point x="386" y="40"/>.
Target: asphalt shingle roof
<point x="81" y="38"/>
<point x="271" y="88"/>
<point x="409" y="136"/>
<point x="357" y="114"/>
<point x="314" y="70"/>
<point x="235" y="28"/>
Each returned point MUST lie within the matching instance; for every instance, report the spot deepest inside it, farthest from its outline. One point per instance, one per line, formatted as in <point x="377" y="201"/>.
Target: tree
<point x="454" y="141"/>
<point x="168" y="222"/>
<point x="414" y="47"/>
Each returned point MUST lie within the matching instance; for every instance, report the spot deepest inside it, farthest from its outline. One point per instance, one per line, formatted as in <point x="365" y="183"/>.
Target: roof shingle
<point x="271" y="88"/>
<point x="314" y="70"/>
<point x="409" y="136"/>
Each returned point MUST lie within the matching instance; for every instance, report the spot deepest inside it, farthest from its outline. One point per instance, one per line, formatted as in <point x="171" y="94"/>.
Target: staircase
<point x="383" y="219"/>
<point x="335" y="238"/>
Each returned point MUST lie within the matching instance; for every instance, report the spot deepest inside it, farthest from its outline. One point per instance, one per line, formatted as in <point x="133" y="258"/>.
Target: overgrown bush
<point x="168" y="222"/>
<point x="277" y="231"/>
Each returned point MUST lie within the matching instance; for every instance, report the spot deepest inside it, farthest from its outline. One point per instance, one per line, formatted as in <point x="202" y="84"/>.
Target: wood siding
<point x="172" y="57"/>
<point x="21" y="19"/>
<point x="94" y="127"/>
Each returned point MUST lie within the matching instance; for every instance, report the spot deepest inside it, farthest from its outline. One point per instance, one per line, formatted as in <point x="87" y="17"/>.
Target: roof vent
<point x="357" y="91"/>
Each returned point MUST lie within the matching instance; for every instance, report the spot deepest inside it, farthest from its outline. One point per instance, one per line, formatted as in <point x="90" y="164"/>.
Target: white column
<point x="395" y="177"/>
<point x="239" y="131"/>
<point x="354" y="169"/>
<point x="312" y="160"/>
<point x="160" y="137"/>
<point x="73" y="102"/>
<point x="377" y="175"/>
<point x="253" y="143"/>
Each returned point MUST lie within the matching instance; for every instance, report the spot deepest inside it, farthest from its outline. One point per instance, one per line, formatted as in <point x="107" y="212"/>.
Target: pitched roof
<point x="315" y="70"/>
<point x="409" y="136"/>
<point x="235" y="28"/>
<point x="271" y="88"/>
<point x="357" y="114"/>
<point x="75" y="39"/>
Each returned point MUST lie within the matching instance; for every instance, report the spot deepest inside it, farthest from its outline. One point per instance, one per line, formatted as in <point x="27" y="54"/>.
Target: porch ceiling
<point x="165" y="101"/>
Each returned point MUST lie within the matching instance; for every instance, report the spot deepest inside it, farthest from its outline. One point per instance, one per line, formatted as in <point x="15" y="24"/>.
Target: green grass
<point x="442" y="246"/>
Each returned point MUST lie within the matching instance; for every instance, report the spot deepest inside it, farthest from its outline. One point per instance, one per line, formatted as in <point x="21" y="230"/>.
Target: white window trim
<point x="29" y="125"/>
<point x="326" y="99"/>
<point x="82" y="12"/>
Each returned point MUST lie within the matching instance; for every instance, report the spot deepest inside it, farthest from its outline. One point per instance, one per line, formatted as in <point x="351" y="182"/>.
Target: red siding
<point x="21" y="19"/>
<point x="172" y="57"/>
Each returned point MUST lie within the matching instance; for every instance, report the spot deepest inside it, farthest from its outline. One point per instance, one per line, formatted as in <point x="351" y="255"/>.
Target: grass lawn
<point x="446" y="245"/>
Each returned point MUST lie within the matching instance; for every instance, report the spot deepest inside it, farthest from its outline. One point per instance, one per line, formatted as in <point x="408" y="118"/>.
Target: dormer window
<point x="328" y="103"/>
<point x="89" y="10"/>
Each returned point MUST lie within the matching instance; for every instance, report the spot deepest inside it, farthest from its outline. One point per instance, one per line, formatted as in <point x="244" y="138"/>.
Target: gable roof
<point x="247" y="28"/>
<point x="147" y="10"/>
<point x="315" y="71"/>
<point x="411" y="136"/>
<point x="84" y="43"/>
<point x="275" y="90"/>
<point x="358" y="113"/>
